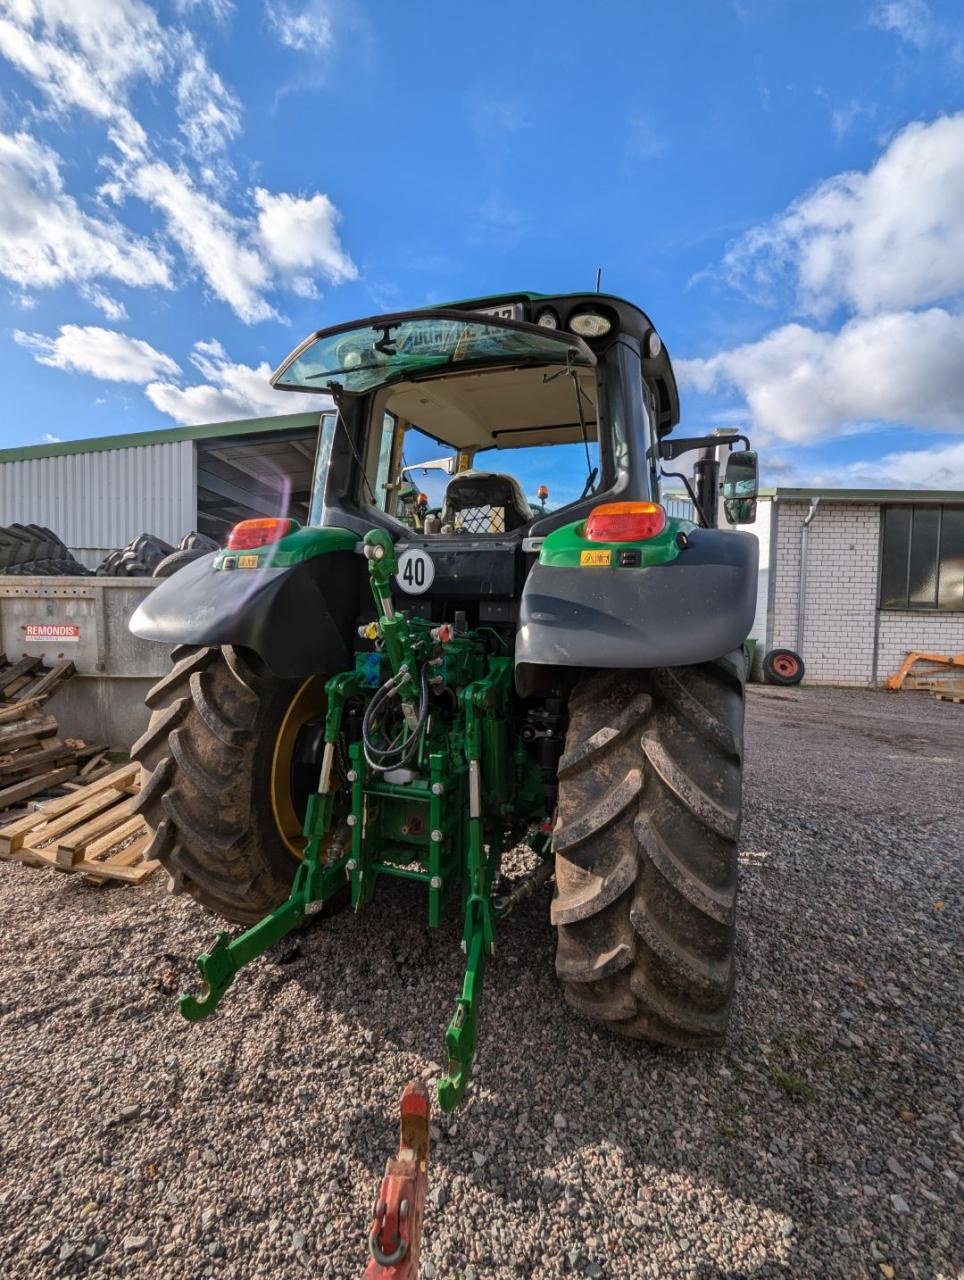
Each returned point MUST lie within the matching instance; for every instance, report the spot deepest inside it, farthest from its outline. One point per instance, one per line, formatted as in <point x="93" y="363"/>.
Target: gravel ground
<point x="824" y="1140"/>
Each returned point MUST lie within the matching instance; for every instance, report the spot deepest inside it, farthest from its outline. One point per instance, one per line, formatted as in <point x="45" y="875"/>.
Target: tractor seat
<point x="485" y="502"/>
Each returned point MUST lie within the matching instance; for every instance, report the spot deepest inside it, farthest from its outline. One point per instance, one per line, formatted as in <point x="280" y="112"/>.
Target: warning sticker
<point x="61" y="632"/>
<point x="602" y="557"/>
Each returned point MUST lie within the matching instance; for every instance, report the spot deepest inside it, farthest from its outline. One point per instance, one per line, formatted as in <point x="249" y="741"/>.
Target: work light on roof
<point x="589" y="324"/>
<point x="547" y="318"/>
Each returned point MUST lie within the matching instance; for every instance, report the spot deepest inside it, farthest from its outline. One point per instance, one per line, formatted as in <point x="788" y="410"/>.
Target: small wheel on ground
<point x="228" y="760"/>
<point x="783" y="666"/>
<point x="646" y="849"/>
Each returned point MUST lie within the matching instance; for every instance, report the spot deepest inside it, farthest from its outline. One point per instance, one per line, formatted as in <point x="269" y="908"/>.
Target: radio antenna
<point x="598" y="278"/>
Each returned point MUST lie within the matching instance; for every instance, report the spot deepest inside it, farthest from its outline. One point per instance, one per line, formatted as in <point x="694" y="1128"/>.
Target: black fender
<point x="693" y="609"/>
<point x="298" y="620"/>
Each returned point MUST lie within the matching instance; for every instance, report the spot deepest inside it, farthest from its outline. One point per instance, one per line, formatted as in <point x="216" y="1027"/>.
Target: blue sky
<point x="187" y="189"/>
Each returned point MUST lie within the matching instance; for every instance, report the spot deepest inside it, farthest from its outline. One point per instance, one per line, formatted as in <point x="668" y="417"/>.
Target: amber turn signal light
<point x="258" y="533"/>
<point x="625" y="522"/>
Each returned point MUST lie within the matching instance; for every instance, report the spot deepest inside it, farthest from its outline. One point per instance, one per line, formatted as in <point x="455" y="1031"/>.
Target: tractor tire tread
<point x="646" y="890"/>
<point x="202" y="761"/>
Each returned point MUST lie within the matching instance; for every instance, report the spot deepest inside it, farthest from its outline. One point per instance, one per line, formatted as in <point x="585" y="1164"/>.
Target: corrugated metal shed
<point x="96" y="501"/>
<point x="98" y="494"/>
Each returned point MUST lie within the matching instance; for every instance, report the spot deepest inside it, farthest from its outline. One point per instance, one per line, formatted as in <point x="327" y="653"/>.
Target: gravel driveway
<point x="824" y="1140"/>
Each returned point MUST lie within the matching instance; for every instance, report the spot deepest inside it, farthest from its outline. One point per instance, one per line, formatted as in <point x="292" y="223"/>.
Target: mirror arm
<point x="678" y="475"/>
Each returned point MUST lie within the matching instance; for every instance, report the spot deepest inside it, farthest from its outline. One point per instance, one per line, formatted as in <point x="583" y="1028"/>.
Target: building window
<point x="922" y="557"/>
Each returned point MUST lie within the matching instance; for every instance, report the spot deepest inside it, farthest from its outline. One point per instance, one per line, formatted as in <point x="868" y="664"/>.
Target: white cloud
<point x="220" y="9"/>
<point x="305" y="28"/>
<point x="89" y="55"/>
<point x="210" y="237"/>
<point x="299" y="237"/>
<point x="911" y="20"/>
<point x="48" y="437"/>
<point x="890" y="238"/>
<point x="231" y="391"/>
<point x="210" y="115"/>
<point x="45" y="237"/>
<point x="800" y="383"/>
<point x="86" y="54"/>
<point x="111" y="307"/>
<point x="103" y="353"/>
<point x="941" y="468"/>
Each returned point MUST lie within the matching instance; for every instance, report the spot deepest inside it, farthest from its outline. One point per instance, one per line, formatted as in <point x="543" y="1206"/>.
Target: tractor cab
<point x="471" y="432"/>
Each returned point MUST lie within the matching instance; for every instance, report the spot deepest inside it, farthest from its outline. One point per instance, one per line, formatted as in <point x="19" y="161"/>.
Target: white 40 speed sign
<point x="416" y="571"/>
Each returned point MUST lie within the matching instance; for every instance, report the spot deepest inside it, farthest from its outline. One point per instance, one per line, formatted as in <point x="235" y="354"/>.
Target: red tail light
<point x="625" y="522"/>
<point x="258" y="533"/>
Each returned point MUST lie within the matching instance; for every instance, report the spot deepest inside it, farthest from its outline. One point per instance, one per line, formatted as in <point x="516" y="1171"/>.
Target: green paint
<point x="465" y="798"/>
<point x="299" y="545"/>
<point x="563" y="547"/>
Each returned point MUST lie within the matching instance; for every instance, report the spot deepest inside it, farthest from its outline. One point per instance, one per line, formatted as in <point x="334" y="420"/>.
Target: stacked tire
<point x="191" y="547"/>
<point x="33" y="549"/>
<point x="138" y="559"/>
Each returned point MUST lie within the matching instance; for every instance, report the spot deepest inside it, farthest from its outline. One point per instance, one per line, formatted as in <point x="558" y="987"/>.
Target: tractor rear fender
<point x="692" y="608"/>
<point x="297" y="618"/>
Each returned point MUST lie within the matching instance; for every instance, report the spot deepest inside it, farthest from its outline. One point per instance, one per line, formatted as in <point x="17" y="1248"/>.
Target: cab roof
<point x="629" y="319"/>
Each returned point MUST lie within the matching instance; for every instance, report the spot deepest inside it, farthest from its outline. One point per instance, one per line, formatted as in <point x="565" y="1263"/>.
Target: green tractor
<point x="438" y="669"/>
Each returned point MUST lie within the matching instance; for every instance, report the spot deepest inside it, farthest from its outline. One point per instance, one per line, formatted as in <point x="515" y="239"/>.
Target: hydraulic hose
<point x="384" y="759"/>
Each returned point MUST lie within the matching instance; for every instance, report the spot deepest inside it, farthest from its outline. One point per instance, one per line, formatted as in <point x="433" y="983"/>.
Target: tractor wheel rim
<point x="785" y="666"/>
<point x="308" y="704"/>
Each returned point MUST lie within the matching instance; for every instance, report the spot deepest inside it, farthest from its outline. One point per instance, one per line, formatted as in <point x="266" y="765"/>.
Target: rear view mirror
<point x="740" y="486"/>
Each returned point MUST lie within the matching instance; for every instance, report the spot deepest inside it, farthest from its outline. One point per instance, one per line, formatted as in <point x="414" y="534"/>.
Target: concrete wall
<point x="846" y="639"/>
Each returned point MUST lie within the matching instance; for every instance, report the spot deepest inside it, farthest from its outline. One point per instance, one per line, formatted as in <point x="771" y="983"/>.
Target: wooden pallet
<point x="34" y="760"/>
<point x="91" y="831"/>
<point x="942" y="696"/>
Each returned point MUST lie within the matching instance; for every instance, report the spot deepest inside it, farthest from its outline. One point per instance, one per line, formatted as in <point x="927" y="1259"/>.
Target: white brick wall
<point x="900" y="632"/>
<point x="841" y="606"/>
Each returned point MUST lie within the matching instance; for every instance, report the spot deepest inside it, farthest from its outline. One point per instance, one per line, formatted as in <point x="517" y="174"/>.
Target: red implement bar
<point x="395" y="1238"/>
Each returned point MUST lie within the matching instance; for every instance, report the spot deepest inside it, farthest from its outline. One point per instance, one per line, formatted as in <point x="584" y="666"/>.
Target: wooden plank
<point x="48" y="682"/>
<point x="10" y="675"/>
<point x="18" y="710"/>
<point x="124" y="858"/>
<point x="106" y="871"/>
<point x="31" y="858"/>
<point x="35" y="761"/>
<point x="123" y="832"/>
<point x="13" y="835"/>
<point x="13" y="736"/>
<point x="75" y="842"/>
<point x="93" y="763"/>
<point x="101" y="771"/>
<point x="35" y="786"/>
<point x="80" y="813"/>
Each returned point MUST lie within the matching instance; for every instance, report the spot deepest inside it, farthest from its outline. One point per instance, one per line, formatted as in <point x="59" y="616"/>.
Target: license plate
<point x="505" y="311"/>
<point x="248" y="562"/>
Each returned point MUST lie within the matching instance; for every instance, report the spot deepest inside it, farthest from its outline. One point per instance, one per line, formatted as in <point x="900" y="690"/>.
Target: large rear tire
<point x="222" y="778"/>
<point x="646" y="849"/>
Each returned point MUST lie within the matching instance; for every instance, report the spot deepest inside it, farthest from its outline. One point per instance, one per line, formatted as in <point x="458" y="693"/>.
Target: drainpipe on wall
<point x="802" y="593"/>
